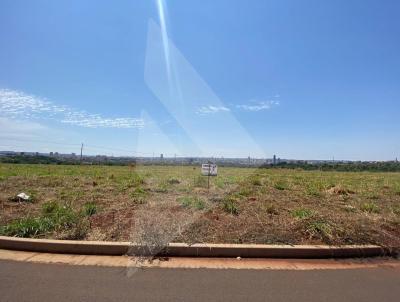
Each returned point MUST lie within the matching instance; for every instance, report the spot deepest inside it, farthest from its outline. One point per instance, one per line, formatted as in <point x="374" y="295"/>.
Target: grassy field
<point x="161" y="204"/>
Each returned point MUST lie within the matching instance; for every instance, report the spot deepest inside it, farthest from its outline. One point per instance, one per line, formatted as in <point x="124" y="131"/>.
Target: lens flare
<point x="163" y="25"/>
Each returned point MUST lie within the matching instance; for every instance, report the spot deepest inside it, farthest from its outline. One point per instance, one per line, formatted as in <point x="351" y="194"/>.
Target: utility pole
<point x="81" y="153"/>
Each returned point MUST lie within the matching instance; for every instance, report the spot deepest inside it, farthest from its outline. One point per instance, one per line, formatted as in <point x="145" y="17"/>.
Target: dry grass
<point x="158" y="204"/>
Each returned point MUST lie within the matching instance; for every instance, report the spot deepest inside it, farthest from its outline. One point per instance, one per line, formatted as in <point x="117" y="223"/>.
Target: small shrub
<point x="89" y="209"/>
<point x="173" y="181"/>
<point x="302" y="213"/>
<point x="369" y="207"/>
<point x="230" y="205"/>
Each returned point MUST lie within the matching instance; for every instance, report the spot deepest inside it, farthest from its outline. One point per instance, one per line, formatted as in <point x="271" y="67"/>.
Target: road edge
<point x="195" y="250"/>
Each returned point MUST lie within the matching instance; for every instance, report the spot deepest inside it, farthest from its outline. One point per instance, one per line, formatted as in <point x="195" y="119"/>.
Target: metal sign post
<point x="208" y="177"/>
<point x="209" y="170"/>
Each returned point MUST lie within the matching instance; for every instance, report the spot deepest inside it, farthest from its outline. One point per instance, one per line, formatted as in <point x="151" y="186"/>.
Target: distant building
<point x="274" y="160"/>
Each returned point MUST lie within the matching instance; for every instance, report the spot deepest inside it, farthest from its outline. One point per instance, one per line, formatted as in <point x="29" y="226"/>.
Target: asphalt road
<point x="22" y="281"/>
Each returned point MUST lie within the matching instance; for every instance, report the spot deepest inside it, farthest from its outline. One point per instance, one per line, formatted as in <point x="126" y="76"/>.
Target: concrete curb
<point x="196" y="250"/>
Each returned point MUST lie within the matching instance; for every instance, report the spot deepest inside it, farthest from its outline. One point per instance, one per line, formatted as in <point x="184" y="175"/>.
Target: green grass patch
<point x="302" y="213"/>
<point x="89" y="209"/>
<point x="280" y="186"/>
<point x="192" y="202"/>
<point x="54" y="217"/>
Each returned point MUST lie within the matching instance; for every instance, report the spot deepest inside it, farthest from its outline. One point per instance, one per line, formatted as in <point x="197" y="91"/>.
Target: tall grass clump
<point x="230" y="205"/>
<point x="54" y="218"/>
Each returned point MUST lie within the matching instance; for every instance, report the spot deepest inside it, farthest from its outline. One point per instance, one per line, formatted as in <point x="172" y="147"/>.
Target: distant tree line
<point x="386" y="166"/>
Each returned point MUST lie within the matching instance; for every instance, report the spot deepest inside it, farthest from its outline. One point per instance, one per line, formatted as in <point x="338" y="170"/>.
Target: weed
<point x="280" y="186"/>
<point x="270" y="209"/>
<point x="313" y="190"/>
<point x="369" y="207"/>
<point x="396" y="209"/>
<point x="302" y="213"/>
<point x="173" y="181"/>
<point x="256" y="182"/>
<point x="245" y="191"/>
<point x="230" y="205"/>
<point x="139" y="195"/>
<point x="349" y="208"/>
<point x="162" y="188"/>
<point x="319" y="228"/>
<point x="49" y="207"/>
<point x="192" y="202"/>
<point x="89" y="209"/>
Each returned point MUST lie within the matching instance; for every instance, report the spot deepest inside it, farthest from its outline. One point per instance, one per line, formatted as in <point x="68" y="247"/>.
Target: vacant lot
<point x="160" y="204"/>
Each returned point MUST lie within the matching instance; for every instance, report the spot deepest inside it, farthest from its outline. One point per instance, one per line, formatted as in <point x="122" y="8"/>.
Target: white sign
<point x="209" y="169"/>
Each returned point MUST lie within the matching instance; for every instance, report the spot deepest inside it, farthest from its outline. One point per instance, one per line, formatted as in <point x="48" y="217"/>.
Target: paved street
<point x="23" y="281"/>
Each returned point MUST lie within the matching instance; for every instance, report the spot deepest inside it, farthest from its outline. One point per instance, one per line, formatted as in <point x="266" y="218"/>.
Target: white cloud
<point x="258" y="105"/>
<point x="209" y="109"/>
<point x="16" y="104"/>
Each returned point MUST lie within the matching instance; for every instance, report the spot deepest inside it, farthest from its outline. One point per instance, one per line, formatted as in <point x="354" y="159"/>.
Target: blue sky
<point x="300" y="79"/>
